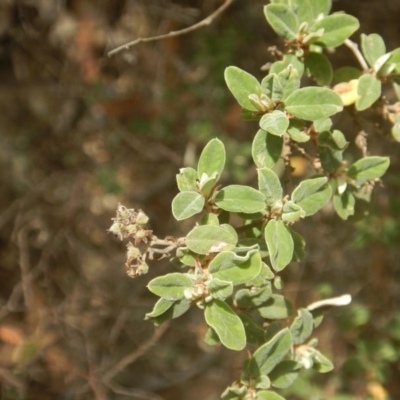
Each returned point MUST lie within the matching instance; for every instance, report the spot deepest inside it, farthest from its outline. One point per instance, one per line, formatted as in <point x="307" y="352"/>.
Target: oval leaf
<point x="368" y="90"/>
<point x="242" y="85"/>
<point x="226" y="324"/>
<point x="368" y="168"/>
<point x="212" y="159"/>
<point x="275" y="122"/>
<point x="266" y="149"/>
<point x="230" y="267"/>
<point x="170" y="286"/>
<point x="302" y="326"/>
<point x="186" y="204"/>
<point x="187" y="179"/>
<point x="284" y="374"/>
<point x="269" y="185"/>
<point x="282" y="20"/>
<point x="280" y="244"/>
<point x="277" y="307"/>
<point x="210" y="239"/>
<point x="312" y="194"/>
<point x="312" y="103"/>
<point x="337" y="28"/>
<point x="318" y="66"/>
<point x="266" y="358"/>
<point x="268" y="395"/>
<point x="239" y="198"/>
<point x="373" y="47"/>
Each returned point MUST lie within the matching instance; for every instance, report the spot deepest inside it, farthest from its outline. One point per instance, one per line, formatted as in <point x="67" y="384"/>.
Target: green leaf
<point x="209" y="219"/>
<point x="277" y="307"/>
<point x="266" y="149"/>
<point x="175" y="310"/>
<point x="212" y="159"/>
<point x="226" y="324"/>
<point x="299" y="243"/>
<point x="344" y="204"/>
<point x="346" y="74"/>
<point x="302" y="326"/>
<point x="187" y="179"/>
<point x="254" y="333"/>
<point x="337" y="28"/>
<point x="239" y="198"/>
<point x="312" y="194"/>
<point x="186" y="256"/>
<point x="285" y="83"/>
<point x="187" y="204"/>
<point x="220" y="289"/>
<point x="318" y="66"/>
<point x="280" y="244"/>
<point x="284" y="374"/>
<point x="210" y="239"/>
<point x="292" y="212"/>
<point x="320" y="7"/>
<point x="242" y="85"/>
<point x="206" y="184"/>
<point x="368" y="90"/>
<point x="312" y="103"/>
<point x="295" y="131"/>
<point x="269" y="185"/>
<point x="267" y="357"/>
<point x="368" y="168"/>
<point x="160" y="307"/>
<point x="321" y="363"/>
<point x="288" y="61"/>
<point x="230" y="267"/>
<point x="282" y="20"/>
<point x="373" y="47"/>
<point x="251" y="298"/>
<point x="396" y="128"/>
<point x="275" y="122"/>
<point x="323" y="124"/>
<point x="170" y="286"/>
<point x="268" y="395"/>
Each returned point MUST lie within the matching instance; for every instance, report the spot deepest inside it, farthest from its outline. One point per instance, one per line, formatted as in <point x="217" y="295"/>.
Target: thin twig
<point x="25" y="267"/>
<point x="354" y="48"/>
<point x="205" y="22"/>
<point x="130" y="358"/>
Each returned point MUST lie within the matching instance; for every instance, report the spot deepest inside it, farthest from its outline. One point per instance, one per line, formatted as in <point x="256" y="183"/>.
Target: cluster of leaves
<point x="232" y="272"/>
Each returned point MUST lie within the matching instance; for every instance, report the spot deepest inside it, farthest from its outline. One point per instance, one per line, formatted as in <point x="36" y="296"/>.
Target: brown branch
<point x="205" y="22"/>
<point x="354" y="48"/>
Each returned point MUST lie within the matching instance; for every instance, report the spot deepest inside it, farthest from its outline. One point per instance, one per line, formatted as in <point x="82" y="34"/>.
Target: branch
<point x="354" y="48"/>
<point x="205" y="22"/>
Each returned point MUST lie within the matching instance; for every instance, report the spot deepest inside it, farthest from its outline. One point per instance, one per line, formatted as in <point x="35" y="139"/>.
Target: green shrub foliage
<point x="231" y="272"/>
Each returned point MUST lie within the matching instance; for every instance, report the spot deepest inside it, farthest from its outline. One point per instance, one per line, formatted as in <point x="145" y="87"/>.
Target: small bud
<point x="140" y="234"/>
<point x="142" y="218"/>
<point x="142" y="269"/>
<point x="133" y="252"/>
<point x="116" y="230"/>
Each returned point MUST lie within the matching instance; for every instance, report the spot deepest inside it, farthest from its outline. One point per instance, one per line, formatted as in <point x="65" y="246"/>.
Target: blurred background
<point x="81" y="132"/>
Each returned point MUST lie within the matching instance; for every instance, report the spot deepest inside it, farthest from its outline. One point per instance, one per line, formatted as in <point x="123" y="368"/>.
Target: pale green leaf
<point x="219" y="289"/>
<point x="187" y="179"/>
<point x="284" y="374"/>
<point x="288" y="61"/>
<point x="320" y="7"/>
<point x="368" y="90"/>
<point x="313" y="103"/>
<point x="299" y="243"/>
<point x="170" y="286"/>
<point x="175" y="310"/>
<point x="277" y="307"/>
<point x="337" y="28"/>
<point x="254" y="333"/>
<point x="345" y="74"/>
<point x="226" y="324"/>
<point x="373" y="47"/>
<point x="292" y="212"/>
<point x="295" y="131"/>
<point x="266" y="357"/>
<point x="212" y="159"/>
<point x="275" y="122"/>
<point x="231" y="267"/>
<point x="251" y="298"/>
<point x="280" y="244"/>
<point x="210" y="239"/>
<point x="268" y="395"/>
<point x="242" y="85"/>
<point x="312" y="194"/>
<point x="282" y="20"/>
<point x="344" y="204"/>
<point x="318" y="66"/>
<point x="239" y="198"/>
<point x="302" y="326"/>
<point x="396" y="127"/>
<point x="269" y="185"/>
<point x="368" y="168"/>
<point x="266" y="149"/>
<point x="321" y="363"/>
<point x="187" y="204"/>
